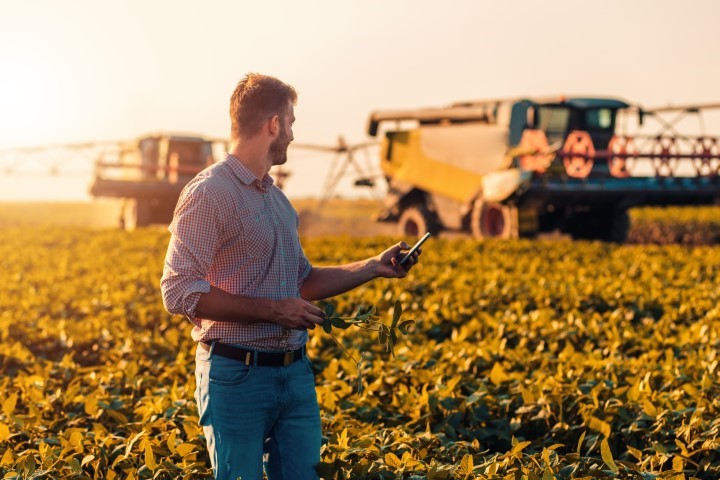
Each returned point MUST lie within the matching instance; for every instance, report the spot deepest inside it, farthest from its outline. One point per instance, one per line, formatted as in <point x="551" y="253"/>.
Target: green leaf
<point x="467" y="465"/>
<point x="150" y="456"/>
<point x="362" y="312"/>
<point x="185" y="449"/>
<point x="392" y="460"/>
<point x="580" y="442"/>
<point x="382" y="336"/>
<point x="7" y="458"/>
<point x="519" y="447"/>
<point x="405" y="326"/>
<point x="338" y="322"/>
<point x="365" y="315"/>
<point x="607" y="456"/>
<point x="329" y="310"/>
<point x="546" y="457"/>
<point x="327" y="325"/>
<point x="635" y="453"/>
<point x="9" y="405"/>
<point x="498" y="374"/>
<point x="397" y="311"/>
<point x="325" y="470"/>
<point x="435" y="474"/>
<point x="599" y="426"/>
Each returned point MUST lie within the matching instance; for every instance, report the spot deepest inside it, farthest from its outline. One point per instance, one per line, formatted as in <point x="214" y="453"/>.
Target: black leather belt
<point x="252" y="357"/>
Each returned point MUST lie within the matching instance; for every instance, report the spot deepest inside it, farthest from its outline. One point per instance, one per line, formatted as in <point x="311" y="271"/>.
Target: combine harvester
<point x="149" y="174"/>
<point x="516" y="168"/>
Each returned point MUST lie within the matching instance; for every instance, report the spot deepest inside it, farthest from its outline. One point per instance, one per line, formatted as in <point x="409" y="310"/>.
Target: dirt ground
<point x="336" y="217"/>
<point x="354" y="218"/>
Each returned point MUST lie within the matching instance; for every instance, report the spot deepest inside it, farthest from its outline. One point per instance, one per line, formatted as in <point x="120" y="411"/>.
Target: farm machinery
<point x="511" y="168"/>
<point x="149" y="175"/>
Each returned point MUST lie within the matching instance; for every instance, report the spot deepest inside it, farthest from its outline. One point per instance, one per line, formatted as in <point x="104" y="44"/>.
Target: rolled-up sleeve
<point x="304" y="270"/>
<point x="194" y="242"/>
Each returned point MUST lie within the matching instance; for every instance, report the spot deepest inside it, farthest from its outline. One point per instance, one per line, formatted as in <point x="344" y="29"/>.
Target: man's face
<point x="278" y="149"/>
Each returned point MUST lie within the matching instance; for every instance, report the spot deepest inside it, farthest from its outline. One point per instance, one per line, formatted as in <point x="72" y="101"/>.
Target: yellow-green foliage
<point x="99" y="213"/>
<point x="529" y="360"/>
<point x="684" y="225"/>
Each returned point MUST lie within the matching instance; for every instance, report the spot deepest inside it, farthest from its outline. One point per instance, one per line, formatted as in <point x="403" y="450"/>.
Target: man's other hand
<point x="296" y="313"/>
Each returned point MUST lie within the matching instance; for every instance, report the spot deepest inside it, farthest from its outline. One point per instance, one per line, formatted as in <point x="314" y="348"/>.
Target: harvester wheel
<point x="416" y="220"/>
<point x="493" y="220"/>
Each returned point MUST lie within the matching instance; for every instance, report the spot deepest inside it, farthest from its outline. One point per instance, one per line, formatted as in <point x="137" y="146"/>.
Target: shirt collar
<point x="245" y="175"/>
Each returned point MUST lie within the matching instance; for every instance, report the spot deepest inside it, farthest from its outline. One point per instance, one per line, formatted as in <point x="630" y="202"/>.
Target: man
<point x="235" y="267"/>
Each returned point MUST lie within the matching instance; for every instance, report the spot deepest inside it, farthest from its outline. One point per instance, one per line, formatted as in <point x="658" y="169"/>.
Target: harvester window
<point x="391" y="138"/>
<point x="599" y="119"/>
<point x="554" y="122"/>
<point x="189" y="153"/>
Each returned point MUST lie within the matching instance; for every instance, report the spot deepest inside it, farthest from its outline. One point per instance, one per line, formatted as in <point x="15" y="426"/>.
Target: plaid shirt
<point x="239" y="234"/>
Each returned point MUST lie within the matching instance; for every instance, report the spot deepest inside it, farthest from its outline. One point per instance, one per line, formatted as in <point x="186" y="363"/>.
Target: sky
<point x="78" y="70"/>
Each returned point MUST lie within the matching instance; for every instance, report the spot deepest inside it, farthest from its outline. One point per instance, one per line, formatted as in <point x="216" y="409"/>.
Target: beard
<point x="278" y="149"/>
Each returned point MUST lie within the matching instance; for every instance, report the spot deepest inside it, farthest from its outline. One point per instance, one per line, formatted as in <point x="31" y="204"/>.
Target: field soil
<point x="356" y="218"/>
<point x="336" y="217"/>
<point x="527" y="360"/>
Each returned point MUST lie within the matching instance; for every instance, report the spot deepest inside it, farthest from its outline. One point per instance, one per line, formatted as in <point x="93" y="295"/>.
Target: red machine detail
<point x="623" y="153"/>
<point x="535" y="141"/>
<point x="665" y="156"/>
<point x="706" y="150"/>
<point x="493" y="220"/>
<point x="579" y="153"/>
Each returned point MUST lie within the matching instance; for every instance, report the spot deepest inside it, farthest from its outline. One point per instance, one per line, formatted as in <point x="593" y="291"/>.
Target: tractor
<point x="523" y="167"/>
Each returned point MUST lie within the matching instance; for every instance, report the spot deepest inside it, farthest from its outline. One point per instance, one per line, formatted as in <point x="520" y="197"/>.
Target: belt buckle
<point x="288" y="359"/>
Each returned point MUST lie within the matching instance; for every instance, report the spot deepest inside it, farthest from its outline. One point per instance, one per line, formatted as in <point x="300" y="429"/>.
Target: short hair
<point x="256" y="99"/>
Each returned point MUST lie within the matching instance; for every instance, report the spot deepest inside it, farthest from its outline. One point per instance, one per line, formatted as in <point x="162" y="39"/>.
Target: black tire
<point x="493" y="220"/>
<point x="416" y="220"/>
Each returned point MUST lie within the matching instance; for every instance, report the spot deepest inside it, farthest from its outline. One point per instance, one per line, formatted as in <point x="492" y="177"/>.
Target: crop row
<point x="545" y="359"/>
<point x="681" y="225"/>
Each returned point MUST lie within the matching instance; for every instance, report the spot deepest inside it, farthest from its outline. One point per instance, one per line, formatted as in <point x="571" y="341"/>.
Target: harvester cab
<point x="509" y="168"/>
<point x="149" y="175"/>
<point x="546" y="126"/>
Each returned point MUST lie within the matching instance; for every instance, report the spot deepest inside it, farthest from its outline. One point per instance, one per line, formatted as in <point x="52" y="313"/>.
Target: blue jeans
<point x="248" y="411"/>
